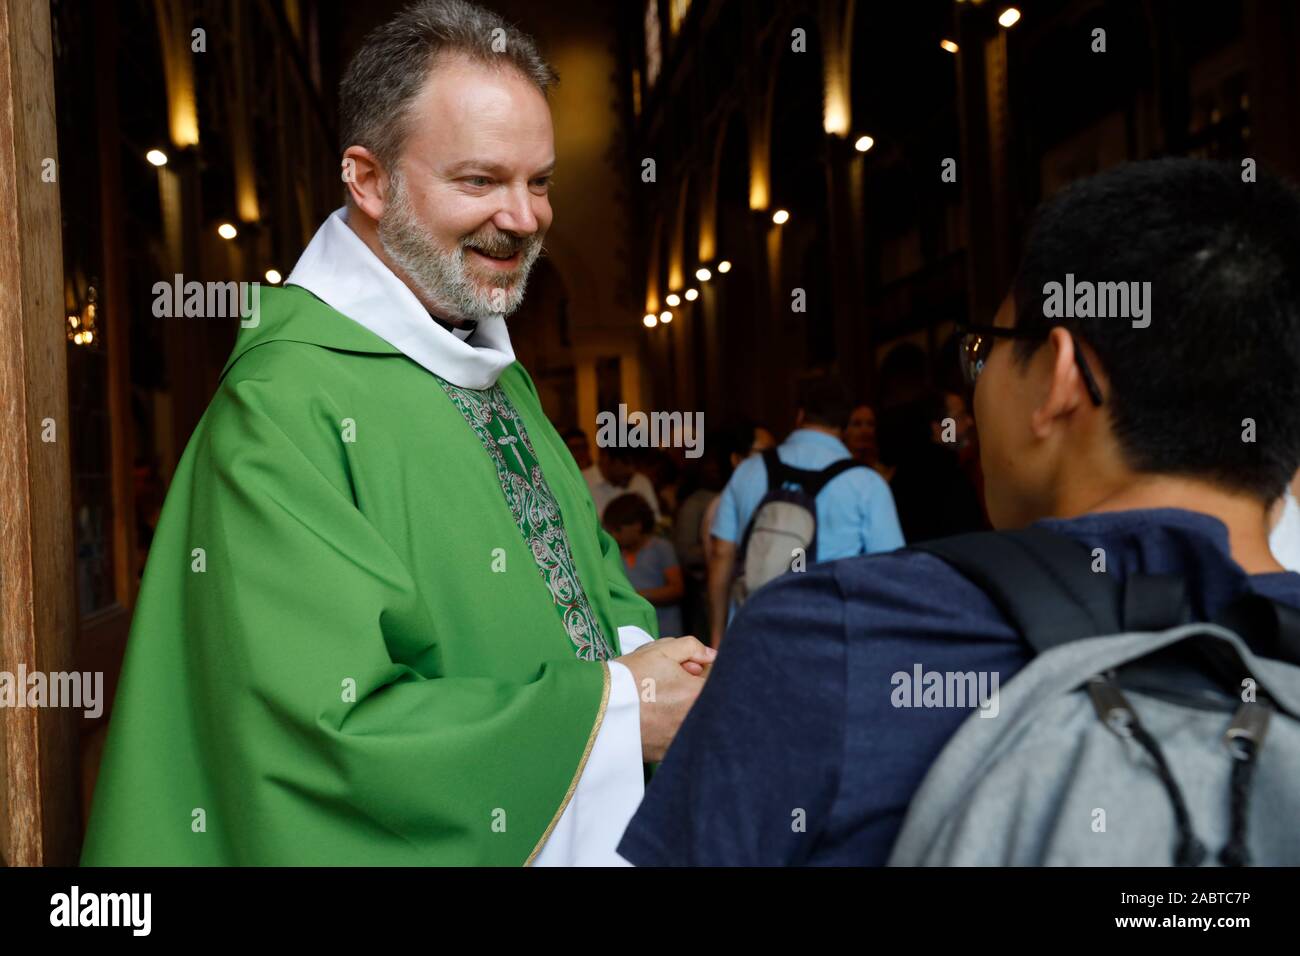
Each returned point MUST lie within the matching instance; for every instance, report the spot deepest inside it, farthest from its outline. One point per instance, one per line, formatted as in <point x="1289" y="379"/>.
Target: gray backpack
<point x="784" y="523"/>
<point x="1136" y="736"/>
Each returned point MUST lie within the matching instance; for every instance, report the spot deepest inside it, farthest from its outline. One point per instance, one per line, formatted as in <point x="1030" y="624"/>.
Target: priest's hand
<point x="669" y="675"/>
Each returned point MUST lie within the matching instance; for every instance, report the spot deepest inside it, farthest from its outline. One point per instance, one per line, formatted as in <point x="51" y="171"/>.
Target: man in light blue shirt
<point x="855" y="510"/>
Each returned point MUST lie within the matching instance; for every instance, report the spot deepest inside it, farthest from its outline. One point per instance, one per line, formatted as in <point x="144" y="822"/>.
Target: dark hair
<point x="619" y="453"/>
<point x="711" y="469"/>
<point x="571" y="433"/>
<point x="1223" y="344"/>
<point x="903" y="431"/>
<point x="824" y="401"/>
<point x="628" y="509"/>
<point x="737" y="439"/>
<point x="658" y="466"/>
<point x="395" y="58"/>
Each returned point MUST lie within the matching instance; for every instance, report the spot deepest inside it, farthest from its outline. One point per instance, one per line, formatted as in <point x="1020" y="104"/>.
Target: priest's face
<point x="467" y="205"/>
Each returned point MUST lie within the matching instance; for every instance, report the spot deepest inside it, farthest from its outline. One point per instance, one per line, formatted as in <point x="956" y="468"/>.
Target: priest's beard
<point x="446" y="278"/>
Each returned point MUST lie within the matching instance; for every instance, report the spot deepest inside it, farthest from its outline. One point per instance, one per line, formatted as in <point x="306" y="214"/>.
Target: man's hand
<point x="669" y="674"/>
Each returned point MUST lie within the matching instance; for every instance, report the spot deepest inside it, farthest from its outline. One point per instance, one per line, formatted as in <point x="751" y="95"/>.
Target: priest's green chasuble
<point x="373" y="622"/>
<point x="501" y="429"/>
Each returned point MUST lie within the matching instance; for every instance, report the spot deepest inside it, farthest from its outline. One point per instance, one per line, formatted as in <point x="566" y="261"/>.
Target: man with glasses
<point x="1160" y="447"/>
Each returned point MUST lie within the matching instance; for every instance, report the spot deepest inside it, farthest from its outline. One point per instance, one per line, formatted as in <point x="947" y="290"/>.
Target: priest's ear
<point x="366" y="180"/>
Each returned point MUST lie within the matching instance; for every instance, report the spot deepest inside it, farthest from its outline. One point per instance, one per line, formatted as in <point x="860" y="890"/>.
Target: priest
<point x="380" y="623"/>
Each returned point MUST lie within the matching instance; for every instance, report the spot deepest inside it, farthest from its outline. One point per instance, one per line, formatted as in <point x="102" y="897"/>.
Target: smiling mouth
<point x="498" y="261"/>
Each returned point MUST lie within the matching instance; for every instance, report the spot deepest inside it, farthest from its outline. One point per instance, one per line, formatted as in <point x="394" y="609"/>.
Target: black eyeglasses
<point x="977" y="341"/>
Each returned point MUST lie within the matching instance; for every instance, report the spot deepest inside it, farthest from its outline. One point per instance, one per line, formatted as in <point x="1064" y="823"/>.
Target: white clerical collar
<point x="339" y="269"/>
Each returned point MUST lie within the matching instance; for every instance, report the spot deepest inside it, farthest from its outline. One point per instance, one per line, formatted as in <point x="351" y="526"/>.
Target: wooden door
<point x="39" y="815"/>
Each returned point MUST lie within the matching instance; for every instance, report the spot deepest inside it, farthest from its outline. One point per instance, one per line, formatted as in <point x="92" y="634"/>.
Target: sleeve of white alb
<point x="612" y="782"/>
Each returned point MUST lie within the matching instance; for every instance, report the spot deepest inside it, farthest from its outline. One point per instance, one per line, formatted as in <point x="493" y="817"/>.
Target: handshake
<point x="669" y="675"/>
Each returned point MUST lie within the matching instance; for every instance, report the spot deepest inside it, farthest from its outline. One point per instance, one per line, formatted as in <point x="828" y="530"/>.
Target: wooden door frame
<point x="39" y="814"/>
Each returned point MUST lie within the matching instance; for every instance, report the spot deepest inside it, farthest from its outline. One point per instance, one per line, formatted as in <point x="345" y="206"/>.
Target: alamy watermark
<point x="179" y="299"/>
<point x="81" y="690"/>
<point x="1100" y="300"/>
<point x="75" y="908"/>
<point x="959" y="689"/>
<point x="654" y="430"/>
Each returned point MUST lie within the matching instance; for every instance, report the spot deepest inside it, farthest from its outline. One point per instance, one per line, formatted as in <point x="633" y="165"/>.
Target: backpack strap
<point x="1155" y="602"/>
<point x="778" y="473"/>
<point x="1044" y="585"/>
<point x="818" y="480"/>
<point x="812" y="482"/>
<point x="1042" y="582"/>
<point x="1269" y="628"/>
<point x="777" y="470"/>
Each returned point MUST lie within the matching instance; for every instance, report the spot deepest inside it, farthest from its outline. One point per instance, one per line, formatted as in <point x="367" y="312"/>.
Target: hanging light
<point x="781" y="217"/>
<point x="665" y="316"/>
<point x="227" y="231"/>
<point x="273" y="276"/>
<point x="724" y="266"/>
<point x="650" y="320"/>
<point x="703" y="274"/>
<point x="673" y="299"/>
<point x="864" y="143"/>
<point x="157" y="157"/>
<point x="692" y="295"/>
<point x="1009" y="17"/>
<point x="949" y="45"/>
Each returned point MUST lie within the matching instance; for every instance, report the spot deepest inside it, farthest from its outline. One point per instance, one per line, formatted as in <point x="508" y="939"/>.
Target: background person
<point x="650" y="561"/>
<point x="613" y="474"/>
<point x="1128" y="440"/>
<point x="855" y="511"/>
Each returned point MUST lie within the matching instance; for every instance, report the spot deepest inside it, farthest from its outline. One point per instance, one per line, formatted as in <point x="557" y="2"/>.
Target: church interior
<point x="745" y="193"/>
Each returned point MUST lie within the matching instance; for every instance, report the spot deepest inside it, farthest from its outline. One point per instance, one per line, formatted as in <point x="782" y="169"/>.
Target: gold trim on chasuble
<point x="582" y="765"/>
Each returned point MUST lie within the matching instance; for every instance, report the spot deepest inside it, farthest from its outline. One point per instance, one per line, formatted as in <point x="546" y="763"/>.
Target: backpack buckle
<point x="1245" y="734"/>
<point x="1111" y="705"/>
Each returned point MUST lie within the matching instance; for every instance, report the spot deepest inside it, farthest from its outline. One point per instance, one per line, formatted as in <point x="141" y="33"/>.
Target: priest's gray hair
<point x="396" y="57"/>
